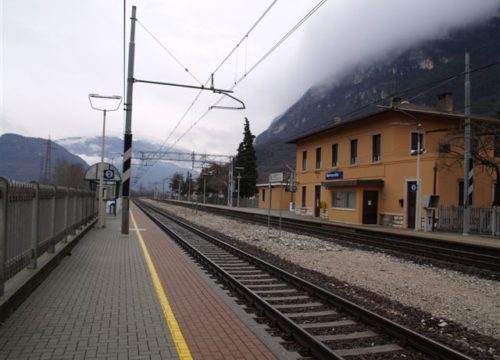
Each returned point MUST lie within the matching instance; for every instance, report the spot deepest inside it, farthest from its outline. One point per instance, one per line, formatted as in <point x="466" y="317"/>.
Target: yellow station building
<point x="276" y="194"/>
<point x="364" y="170"/>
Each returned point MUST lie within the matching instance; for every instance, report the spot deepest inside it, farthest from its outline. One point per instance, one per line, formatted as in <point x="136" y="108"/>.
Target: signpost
<point x="274" y="178"/>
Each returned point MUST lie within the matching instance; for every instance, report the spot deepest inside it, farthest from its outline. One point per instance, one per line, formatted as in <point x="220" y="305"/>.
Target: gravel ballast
<point x="447" y="295"/>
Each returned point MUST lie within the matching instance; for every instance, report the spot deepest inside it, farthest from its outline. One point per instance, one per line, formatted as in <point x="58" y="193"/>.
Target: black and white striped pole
<point x="127" y="143"/>
<point x="468" y="166"/>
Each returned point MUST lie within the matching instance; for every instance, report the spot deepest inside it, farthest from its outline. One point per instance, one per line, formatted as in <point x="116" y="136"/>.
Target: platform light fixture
<point x="95" y="104"/>
<point x="238" y="170"/>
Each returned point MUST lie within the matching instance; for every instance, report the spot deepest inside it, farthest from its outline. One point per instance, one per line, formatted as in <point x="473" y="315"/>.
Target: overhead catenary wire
<point x="286" y="36"/>
<point x="265" y="56"/>
<point x="244" y="37"/>
<point x="273" y="48"/>
<point x="429" y="86"/>
<point x="169" y="52"/>
<point x="210" y="78"/>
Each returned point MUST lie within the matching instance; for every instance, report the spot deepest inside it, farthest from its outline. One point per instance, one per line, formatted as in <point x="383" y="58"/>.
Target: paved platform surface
<point x="99" y="303"/>
<point x="102" y="302"/>
<point x="481" y="240"/>
<point x="210" y="327"/>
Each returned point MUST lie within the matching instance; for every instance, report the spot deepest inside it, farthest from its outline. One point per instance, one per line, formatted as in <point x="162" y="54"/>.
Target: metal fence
<point x="34" y="218"/>
<point x="482" y="220"/>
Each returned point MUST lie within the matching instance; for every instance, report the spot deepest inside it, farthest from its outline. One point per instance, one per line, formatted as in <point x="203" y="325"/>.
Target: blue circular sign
<point x="109" y="174"/>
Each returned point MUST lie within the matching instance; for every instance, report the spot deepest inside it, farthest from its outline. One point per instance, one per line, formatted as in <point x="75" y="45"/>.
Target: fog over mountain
<point x="49" y="95"/>
<point x="369" y="83"/>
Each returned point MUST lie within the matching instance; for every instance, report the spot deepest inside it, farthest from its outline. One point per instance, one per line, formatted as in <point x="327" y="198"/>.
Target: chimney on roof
<point x="445" y="102"/>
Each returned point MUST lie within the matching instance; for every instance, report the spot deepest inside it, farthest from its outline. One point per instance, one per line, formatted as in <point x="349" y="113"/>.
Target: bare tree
<point x="215" y="179"/>
<point x="69" y="174"/>
<point x="485" y="150"/>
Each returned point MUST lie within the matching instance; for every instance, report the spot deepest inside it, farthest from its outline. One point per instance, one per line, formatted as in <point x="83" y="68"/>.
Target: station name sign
<point x="334" y="175"/>
<point x="275" y="178"/>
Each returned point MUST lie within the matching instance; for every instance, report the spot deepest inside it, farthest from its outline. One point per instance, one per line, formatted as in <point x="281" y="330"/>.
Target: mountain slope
<point x="89" y="148"/>
<point x="23" y="158"/>
<point x="418" y="68"/>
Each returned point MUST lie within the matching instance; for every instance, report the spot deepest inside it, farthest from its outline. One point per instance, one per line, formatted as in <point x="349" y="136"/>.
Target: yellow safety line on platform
<point x="175" y="330"/>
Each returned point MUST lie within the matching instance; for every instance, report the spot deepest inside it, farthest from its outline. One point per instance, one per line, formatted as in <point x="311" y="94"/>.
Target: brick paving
<point x="210" y="327"/>
<point x="98" y="303"/>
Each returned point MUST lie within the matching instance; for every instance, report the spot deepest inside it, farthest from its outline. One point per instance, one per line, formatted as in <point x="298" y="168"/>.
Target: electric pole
<point x="468" y="168"/>
<point x="127" y="143"/>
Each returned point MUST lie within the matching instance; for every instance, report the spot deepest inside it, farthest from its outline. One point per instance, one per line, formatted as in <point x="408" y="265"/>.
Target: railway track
<point x="328" y="326"/>
<point x="479" y="257"/>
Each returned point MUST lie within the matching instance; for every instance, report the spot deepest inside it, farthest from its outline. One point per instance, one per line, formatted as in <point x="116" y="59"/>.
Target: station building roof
<point x="399" y="107"/>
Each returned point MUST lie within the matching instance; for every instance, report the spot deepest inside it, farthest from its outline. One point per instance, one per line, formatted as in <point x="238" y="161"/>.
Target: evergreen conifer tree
<point x="247" y="159"/>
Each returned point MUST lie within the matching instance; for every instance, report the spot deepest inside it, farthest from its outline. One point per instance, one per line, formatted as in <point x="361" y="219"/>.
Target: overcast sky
<point x="56" y="52"/>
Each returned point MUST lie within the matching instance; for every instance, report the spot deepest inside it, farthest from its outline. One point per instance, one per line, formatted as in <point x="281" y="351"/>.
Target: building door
<point x="411" y="199"/>
<point x="317" y="199"/>
<point x="370" y="205"/>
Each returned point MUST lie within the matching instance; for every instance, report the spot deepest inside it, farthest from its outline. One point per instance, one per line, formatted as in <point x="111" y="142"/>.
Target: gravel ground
<point x="448" y="296"/>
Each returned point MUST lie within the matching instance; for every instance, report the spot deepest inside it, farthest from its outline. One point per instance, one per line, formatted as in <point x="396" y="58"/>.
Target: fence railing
<point x="34" y="218"/>
<point x="482" y="220"/>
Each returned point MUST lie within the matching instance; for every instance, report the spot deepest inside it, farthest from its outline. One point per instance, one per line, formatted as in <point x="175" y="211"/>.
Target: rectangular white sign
<point x="276" y="177"/>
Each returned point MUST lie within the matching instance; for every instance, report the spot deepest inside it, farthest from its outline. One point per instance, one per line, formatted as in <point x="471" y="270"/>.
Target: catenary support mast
<point x="468" y="169"/>
<point x="127" y="146"/>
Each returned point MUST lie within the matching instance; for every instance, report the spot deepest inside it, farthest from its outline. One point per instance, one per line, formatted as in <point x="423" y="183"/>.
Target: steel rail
<point x="316" y="347"/>
<point x="481" y="257"/>
<point x="405" y="335"/>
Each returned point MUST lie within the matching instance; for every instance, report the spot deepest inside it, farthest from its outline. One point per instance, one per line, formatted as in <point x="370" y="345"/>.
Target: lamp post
<point x="205" y="174"/>
<point x="204" y="187"/>
<point x="418" y="152"/>
<point x="419" y="191"/>
<point x="163" y="187"/>
<point x="100" y="168"/>
<point x="238" y="169"/>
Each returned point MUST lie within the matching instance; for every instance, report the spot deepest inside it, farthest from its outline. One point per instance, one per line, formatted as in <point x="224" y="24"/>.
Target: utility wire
<point x="217" y="68"/>
<point x="244" y="36"/>
<point x="169" y="52"/>
<point x="213" y="72"/>
<point x="434" y="84"/>
<point x="286" y="36"/>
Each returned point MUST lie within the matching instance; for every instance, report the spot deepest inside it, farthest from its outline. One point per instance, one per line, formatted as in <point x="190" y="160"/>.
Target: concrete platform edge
<point x="19" y="287"/>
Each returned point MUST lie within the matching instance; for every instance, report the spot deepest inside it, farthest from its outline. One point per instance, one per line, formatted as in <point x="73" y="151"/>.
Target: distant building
<point x="364" y="170"/>
<point x="278" y="195"/>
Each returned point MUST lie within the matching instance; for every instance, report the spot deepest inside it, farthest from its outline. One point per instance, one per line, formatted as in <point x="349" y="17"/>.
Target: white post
<point x="269" y="209"/>
<point x="100" y="167"/>
<point x="102" y="221"/>
<point x="467" y="150"/>
<point x="493" y="220"/>
<point x="418" y="219"/>
<point x="238" y="199"/>
<point x="204" y="187"/>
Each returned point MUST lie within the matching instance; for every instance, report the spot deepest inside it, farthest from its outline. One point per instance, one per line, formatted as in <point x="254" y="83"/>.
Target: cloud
<point x="57" y="52"/>
<point x="347" y="33"/>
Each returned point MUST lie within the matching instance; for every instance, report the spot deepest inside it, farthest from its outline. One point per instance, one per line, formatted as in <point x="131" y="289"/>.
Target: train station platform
<point x="133" y="297"/>
<point x="475" y="239"/>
